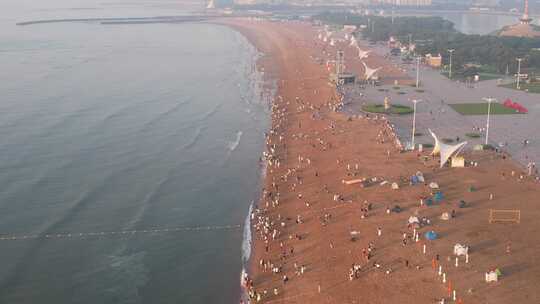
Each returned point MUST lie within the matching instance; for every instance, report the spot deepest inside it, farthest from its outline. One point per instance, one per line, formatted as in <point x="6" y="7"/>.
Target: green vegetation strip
<point x="481" y="109"/>
<point x="472" y="135"/>
<point x="529" y="87"/>
<point x="394" y="109"/>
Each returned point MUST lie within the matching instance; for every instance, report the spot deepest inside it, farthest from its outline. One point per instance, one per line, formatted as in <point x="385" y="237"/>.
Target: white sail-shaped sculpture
<point x="363" y="54"/>
<point x="444" y="150"/>
<point x="369" y="73"/>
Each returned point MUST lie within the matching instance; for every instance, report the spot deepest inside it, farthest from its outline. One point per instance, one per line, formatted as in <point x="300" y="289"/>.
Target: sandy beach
<point x="320" y="240"/>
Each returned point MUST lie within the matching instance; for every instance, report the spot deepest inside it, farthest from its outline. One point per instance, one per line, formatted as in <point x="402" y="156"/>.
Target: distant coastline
<point x="122" y="20"/>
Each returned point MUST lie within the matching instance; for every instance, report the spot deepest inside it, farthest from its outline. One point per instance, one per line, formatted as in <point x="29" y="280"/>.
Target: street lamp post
<point x="415" y="101"/>
<point x="417" y="71"/>
<point x="450" y="73"/>
<point x="519" y="72"/>
<point x="489" y="101"/>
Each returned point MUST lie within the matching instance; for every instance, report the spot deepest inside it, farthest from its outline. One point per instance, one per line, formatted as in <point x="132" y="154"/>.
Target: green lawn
<point x="394" y="109"/>
<point x="529" y="87"/>
<point x="489" y="76"/>
<point x="481" y="109"/>
<point x="483" y="76"/>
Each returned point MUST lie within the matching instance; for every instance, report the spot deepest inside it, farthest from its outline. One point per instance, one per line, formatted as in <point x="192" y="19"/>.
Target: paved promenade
<point x="433" y="111"/>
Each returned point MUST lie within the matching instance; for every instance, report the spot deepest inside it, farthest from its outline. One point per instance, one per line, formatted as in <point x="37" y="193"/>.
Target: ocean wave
<point x="211" y="113"/>
<point x="234" y="144"/>
<point x="194" y="140"/>
<point x="166" y="113"/>
<point x="146" y="202"/>
<point x="14" y="277"/>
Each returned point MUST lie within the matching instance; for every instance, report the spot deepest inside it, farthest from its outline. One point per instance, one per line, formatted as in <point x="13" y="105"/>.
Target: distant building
<point x="406" y="2"/>
<point x="434" y="61"/>
<point x="486" y="3"/>
<point x="524" y="28"/>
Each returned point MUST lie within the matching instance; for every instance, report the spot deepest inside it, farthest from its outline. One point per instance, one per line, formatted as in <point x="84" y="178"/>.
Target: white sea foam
<point x="246" y="252"/>
<point x="234" y="144"/>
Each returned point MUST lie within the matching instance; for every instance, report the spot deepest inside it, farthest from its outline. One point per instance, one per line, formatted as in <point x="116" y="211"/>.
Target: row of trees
<point x="436" y="35"/>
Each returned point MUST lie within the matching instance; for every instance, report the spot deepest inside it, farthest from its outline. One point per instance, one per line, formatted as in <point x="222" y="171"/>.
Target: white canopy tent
<point x="444" y="150"/>
<point x="363" y="54"/>
<point x="369" y="72"/>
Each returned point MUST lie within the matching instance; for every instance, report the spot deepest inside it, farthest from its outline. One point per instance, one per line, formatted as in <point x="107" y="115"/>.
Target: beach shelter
<point x="429" y="202"/>
<point x="461" y="249"/>
<point x="395" y="186"/>
<point x="434" y="185"/>
<point x="462" y="204"/>
<point x="414" y="180"/>
<point x="445" y="216"/>
<point x="430" y="235"/>
<point x="444" y="150"/>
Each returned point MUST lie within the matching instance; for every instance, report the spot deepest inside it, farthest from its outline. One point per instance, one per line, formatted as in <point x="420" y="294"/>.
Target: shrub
<point x="472" y="135"/>
<point x="447" y="140"/>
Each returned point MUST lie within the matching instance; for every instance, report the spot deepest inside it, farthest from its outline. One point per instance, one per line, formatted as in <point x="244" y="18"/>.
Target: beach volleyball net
<point x="504" y="216"/>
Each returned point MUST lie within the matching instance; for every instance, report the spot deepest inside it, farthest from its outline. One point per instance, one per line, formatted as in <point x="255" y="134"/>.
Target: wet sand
<point x="306" y="213"/>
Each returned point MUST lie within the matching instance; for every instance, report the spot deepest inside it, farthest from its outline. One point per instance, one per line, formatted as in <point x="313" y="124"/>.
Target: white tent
<point x="413" y="220"/>
<point x="461" y="249"/>
<point x="369" y="73"/>
<point x="363" y="54"/>
<point x="444" y="150"/>
<point x="445" y="216"/>
<point x="420" y="176"/>
<point x="492" y="276"/>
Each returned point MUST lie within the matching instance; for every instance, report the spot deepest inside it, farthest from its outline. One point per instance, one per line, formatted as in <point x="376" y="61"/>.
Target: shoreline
<point x="302" y="235"/>
<point x="269" y="92"/>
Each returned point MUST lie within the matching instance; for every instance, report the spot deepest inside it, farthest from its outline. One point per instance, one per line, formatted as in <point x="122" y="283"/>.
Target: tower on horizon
<point x="525" y="19"/>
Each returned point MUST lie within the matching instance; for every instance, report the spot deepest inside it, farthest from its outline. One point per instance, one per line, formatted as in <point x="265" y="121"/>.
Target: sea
<point x="129" y="154"/>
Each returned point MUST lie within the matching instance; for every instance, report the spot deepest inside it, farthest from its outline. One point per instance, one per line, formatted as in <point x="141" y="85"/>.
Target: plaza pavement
<point x="434" y="113"/>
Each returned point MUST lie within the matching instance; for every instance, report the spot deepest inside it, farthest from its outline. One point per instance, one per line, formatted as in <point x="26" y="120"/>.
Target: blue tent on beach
<point x="438" y="196"/>
<point x="430" y="235"/>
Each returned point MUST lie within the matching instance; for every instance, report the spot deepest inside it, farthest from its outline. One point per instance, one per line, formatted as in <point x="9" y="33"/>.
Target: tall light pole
<point x="450" y="73"/>
<point x="489" y="101"/>
<point x="417" y="71"/>
<point x="519" y="72"/>
<point x="415" y="101"/>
